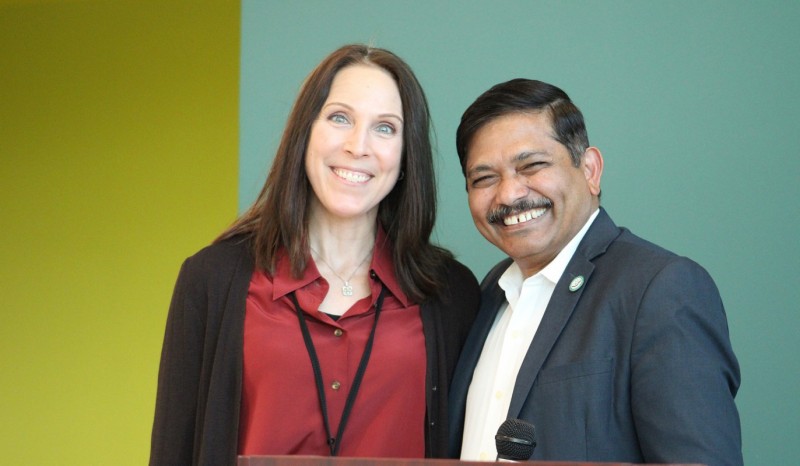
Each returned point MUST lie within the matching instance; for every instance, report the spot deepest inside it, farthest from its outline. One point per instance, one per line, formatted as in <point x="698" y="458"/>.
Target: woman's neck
<point x="341" y="248"/>
<point x="342" y="242"/>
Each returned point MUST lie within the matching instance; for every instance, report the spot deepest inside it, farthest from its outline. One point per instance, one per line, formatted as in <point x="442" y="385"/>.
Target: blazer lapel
<point x="561" y="306"/>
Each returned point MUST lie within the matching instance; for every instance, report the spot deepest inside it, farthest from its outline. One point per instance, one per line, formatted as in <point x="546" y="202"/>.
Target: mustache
<point x="499" y="213"/>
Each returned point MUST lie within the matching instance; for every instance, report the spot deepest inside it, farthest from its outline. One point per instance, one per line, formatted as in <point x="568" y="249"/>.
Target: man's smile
<point x="526" y="216"/>
<point x="520" y="212"/>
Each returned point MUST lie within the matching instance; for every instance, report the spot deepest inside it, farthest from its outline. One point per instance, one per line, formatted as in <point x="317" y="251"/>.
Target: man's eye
<point x="481" y="181"/>
<point x="532" y="166"/>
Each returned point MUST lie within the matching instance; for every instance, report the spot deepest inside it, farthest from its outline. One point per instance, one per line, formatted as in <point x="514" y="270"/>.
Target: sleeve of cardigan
<point x="466" y="294"/>
<point x="461" y="301"/>
<point x="172" y="441"/>
<point x="453" y="313"/>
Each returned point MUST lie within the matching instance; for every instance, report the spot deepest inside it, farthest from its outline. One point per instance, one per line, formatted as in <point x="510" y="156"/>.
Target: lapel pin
<point x="576" y="283"/>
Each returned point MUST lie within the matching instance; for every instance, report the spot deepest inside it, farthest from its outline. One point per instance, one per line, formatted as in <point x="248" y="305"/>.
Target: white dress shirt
<point x="506" y="345"/>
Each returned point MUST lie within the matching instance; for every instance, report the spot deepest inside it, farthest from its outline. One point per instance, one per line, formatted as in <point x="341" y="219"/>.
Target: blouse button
<point x="338" y="332"/>
<point x="335" y="385"/>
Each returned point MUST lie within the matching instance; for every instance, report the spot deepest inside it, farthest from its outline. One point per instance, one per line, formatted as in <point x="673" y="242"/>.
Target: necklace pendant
<point x="347" y="289"/>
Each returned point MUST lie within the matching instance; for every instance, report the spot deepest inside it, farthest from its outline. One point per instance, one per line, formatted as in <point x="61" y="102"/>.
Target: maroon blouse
<point x="280" y="412"/>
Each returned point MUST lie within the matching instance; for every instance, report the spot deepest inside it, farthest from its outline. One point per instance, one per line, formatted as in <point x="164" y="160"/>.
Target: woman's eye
<point x="338" y="118"/>
<point x="385" y="128"/>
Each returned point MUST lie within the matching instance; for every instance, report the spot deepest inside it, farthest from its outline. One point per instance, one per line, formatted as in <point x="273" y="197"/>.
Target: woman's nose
<point x="356" y="143"/>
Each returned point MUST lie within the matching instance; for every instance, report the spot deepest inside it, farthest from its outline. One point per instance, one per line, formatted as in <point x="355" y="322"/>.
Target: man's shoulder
<point x="631" y="244"/>
<point x="640" y="260"/>
<point x="617" y="254"/>
<point x="607" y="240"/>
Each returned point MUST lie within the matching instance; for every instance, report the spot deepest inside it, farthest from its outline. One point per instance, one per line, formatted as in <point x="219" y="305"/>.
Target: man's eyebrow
<point x="525" y="155"/>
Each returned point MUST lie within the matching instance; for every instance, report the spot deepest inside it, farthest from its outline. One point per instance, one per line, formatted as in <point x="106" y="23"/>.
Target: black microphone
<point x="515" y="440"/>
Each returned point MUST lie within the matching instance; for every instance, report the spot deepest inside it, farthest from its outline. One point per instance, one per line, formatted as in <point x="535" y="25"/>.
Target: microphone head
<point x="515" y="440"/>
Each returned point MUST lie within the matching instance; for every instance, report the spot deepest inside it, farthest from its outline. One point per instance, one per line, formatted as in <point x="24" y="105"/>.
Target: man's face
<point x="525" y="195"/>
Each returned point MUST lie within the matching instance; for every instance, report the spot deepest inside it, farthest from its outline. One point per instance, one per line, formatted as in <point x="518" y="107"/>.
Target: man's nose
<point x="512" y="189"/>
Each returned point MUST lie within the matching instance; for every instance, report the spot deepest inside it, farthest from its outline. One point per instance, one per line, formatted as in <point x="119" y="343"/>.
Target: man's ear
<point x="592" y="166"/>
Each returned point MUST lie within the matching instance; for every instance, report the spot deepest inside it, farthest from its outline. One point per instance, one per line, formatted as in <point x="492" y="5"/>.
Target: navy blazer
<point x="634" y="366"/>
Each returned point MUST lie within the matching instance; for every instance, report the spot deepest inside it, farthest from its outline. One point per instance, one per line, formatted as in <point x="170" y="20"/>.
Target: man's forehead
<point x="513" y="141"/>
<point x="538" y="123"/>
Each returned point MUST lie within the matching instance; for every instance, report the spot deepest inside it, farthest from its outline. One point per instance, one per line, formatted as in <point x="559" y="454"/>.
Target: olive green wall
<point x="693" y="103"/>
<point x="118" y="156"/>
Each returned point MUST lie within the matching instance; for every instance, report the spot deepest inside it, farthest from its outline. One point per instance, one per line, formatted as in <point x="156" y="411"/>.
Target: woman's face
<point x="356" y="143"/>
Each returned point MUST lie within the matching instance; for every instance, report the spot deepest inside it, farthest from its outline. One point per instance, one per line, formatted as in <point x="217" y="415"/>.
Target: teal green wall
<point x="694" y="105"/>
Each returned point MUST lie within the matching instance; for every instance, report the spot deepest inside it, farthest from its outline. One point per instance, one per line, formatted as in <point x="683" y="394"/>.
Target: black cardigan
<point x="200" y="378"/>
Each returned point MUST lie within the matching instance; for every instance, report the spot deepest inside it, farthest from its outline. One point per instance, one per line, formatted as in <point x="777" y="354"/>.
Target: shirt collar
<point x="381" y="268"/>
<point x="284" y="283"/>
<point x="513" y="279"/>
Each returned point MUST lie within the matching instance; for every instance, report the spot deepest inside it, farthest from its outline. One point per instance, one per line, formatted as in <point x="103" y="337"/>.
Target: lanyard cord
<point x="334" y="442"/>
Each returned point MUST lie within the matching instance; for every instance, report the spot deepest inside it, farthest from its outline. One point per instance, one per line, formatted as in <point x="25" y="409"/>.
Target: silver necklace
<point x="347" y="288"/>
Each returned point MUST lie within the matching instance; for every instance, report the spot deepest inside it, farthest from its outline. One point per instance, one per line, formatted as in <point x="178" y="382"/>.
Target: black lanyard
<point x="334" y="442"/>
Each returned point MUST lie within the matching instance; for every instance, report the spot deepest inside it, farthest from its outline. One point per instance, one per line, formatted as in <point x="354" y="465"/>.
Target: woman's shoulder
<point x="220" y="257"/>
<point x="456" y="270"/>
<point x="459" y="282"/>
<point x="458" y="298"/>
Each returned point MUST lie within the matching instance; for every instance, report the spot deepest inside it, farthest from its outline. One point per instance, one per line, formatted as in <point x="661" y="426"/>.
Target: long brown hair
<point x="278" y="217"/>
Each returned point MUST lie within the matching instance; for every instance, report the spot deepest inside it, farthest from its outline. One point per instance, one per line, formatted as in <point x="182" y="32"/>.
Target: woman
<point x="323" y="321"/>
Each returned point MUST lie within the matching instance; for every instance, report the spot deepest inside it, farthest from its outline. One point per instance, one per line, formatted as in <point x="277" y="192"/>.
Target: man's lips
<point x="520" y="212"/>
<point x="526" y="216"/>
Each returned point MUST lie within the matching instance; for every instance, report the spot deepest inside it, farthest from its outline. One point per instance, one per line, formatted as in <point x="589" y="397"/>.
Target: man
<point x="612" y="347"/>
